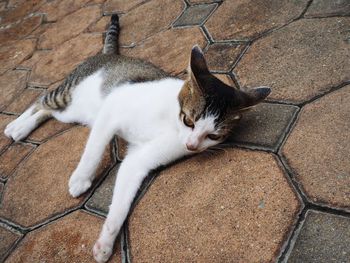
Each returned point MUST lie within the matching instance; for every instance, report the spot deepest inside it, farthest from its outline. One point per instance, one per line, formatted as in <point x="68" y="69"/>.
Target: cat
<point x="163" y="118"/>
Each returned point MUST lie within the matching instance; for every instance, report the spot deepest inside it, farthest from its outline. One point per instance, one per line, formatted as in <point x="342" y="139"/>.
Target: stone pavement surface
<point x="278" y="190"/>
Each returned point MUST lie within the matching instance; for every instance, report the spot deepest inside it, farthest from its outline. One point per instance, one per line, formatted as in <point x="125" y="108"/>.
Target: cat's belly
<point x="86" y="102"/>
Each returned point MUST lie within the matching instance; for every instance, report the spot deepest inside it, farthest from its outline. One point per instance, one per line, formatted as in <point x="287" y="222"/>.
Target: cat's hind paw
<point x="19" y="129"/>
<point x="102" y="252"/>
<point x="78" y="185"/>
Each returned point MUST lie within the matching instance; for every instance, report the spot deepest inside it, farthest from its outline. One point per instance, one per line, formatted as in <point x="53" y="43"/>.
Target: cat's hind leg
<point x="54" y="101"/>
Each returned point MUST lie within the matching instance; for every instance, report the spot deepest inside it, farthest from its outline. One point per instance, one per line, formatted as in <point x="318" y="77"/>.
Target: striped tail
<point x="111" y="40"/>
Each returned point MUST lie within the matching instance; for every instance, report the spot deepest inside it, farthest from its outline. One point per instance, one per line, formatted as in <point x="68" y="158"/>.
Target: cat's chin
<point x="195" y="151"/>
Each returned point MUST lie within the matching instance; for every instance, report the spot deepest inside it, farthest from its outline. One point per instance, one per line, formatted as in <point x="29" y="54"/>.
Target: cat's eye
<point x="188" y="122"/>
<point x="214" y="137"/>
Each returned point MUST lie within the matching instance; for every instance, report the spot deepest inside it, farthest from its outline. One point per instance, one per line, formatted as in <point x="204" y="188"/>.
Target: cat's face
<point x="209" y="108"/>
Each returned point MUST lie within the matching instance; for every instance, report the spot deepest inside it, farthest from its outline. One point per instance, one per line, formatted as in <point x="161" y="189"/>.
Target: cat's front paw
<point x="78" y="184"/>
<point x="102" y="252"/>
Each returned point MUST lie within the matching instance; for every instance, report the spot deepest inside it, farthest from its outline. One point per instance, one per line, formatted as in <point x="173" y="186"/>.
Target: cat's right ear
<point x="198" y="65"/>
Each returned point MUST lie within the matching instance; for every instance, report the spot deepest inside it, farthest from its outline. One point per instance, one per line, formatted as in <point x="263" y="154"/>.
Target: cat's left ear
<point x="253" y="96"/>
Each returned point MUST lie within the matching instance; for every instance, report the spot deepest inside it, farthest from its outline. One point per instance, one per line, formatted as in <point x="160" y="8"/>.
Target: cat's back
<point x="118" y="69"/>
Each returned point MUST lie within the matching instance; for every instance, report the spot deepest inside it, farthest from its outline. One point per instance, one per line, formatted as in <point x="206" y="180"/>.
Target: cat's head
<point x="210" y="108"/>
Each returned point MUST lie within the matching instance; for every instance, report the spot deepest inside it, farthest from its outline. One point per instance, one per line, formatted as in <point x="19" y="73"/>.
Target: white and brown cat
<point x="161" y="117"/>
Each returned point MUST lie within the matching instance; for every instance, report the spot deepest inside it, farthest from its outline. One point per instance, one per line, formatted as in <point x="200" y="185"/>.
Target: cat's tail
<point x="111" y="40"/>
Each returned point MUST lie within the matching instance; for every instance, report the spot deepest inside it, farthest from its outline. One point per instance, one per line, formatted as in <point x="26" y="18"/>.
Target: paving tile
<point x="23" y="101"/>
<point x="101" y="25"/>
<point x="4" y="120"/>
<point x="48" y="129"/>
<point x="195" y="15"/>
<point x="20" y="9"/>
<point x="318" y="149"/>
<point x="174" y="60"/>
<point x="2" y="6"/>
<point x="120" y="6"/>
<point x="322" y="8"/>
<point x="226" y="79"/>
<point x="1" y="191"/>
<point x="8" y="238"/>
<point x="102" y="197"/>
<point x="324" y="238"/>
<point x="69" y="239"/>
<point x="20" y="30"/>
<point x="62" y="30"/>
<point x="298" y="60"/>
<point x="42" y="180"/>
<point x="12" y="157"/>
<point x="55" y="10"/>
<point x="12" y="83"/>
<point x="246" y="19"/>
<point x="13" y="53"/>
<point x="34" y="59"/>
<point x="54" y="85"/>
<point x="148" y="19"/>
<point x="203" y="1"/>
<point x="214" y="208"/>
<point x="122" y="147"/>
<point x="264" y="125"/>
<point x="222" y="56"/>
<point x="57" y="65"/>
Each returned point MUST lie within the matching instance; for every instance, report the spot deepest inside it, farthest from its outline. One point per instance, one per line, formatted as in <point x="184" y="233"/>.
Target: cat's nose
<point x="191" y="147"/>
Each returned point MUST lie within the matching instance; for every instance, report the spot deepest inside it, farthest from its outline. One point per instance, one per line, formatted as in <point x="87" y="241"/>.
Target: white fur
<point x="144" y="114"/>
<point x="86" y="101"/>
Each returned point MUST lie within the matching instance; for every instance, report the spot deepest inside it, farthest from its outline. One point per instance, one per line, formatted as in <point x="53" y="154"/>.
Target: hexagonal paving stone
<point x="13" y="53"/>
<point x="120" y="6"/>
<point x="215" y="208"/>
<point x="18" y="31"/>
<point x="264" y="125"/>
<point x="122" y="147"/>
<point x="173" y="60"/>
<point x="298" y="60"/>
<point x="19" y="10"/>
<point x="2" y="6"/>
<point x="1" y="190"/>
<point x="318" y="149"/>
<point x="69" y="239"/>
<point x="58" y="63"/>
<point x="102" y="197"/>
<point x="148" y="19"/>
<point x="195" y="15"/>
<point x="12" y="157"/>
<point x="62" y="31"/>
<point x="203" y="1"/>
<point x="222" y="56"/>
<point x="39" y="188"/>
<point x="322" y="8"/>
<point x="12" y="83"/>
<point x="34" y="59"/>
<point x="324" y="238"/>
<point x="101" y="25"/>
<point x="23" y="101"/>
<point x="8" y="239"/>
<point x="48" y="129"/>
<point x="226" y="79"/>
<point x="246" y="19"/>
<point x="55" y="10"/>
<point x="4" y="120"/>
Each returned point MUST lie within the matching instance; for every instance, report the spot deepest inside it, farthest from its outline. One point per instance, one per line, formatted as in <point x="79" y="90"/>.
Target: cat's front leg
<point x="132" y="171"/>
<point x="101" y="133"/>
